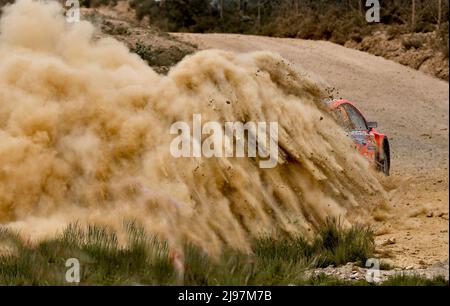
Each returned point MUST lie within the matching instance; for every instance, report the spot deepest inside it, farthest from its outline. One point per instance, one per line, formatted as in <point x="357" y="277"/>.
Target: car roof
<point x="336" y="103"/>
<point x="333" y="104"/>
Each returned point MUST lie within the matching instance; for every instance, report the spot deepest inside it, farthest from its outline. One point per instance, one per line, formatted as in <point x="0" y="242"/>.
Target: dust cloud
<point x="84" y="136"/>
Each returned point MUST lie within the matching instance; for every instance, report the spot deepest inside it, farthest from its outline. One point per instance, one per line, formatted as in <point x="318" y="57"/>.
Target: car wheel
<point x="385" y="164"/>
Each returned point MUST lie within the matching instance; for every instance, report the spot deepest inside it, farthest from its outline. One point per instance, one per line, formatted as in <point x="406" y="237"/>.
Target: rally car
<point x="370" y="143"/>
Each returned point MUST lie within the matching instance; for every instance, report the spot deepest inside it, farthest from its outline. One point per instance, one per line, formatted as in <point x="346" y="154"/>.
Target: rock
<point x="389" y="241"/>
<point x="430" y="214"/>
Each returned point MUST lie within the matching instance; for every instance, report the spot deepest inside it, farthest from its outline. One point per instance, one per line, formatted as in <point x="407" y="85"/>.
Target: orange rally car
<point x="370" y="143"/>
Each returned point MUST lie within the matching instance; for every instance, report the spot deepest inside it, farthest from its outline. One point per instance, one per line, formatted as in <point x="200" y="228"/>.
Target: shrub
<point x="395" y="31"/>
<point x="97" y="3"/>
<point x="441" y="41"/>
<point x="336" y="245"/>
<point x="415" y="280"/>
<point x="413" y="41"/>
<point x="159" y="58"/>
<point x="424" y="27"/>
<point x="145" y="259"/>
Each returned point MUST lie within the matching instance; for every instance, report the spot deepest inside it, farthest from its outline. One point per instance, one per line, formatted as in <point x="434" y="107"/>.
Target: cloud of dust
<point x="84" y="135"/>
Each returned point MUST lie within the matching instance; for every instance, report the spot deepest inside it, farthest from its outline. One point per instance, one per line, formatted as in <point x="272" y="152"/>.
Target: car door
<point x="359" y="132"/>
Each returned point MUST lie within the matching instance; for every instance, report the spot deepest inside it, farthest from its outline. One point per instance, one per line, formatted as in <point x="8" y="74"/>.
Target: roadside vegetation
<point x="337" y="21"/>
<point x="147" y="260"/>
<point x="334" y="20"/>
<point x="160" y="59"/>
<point x="158" y="49"/>
<point x="411" y="32"/>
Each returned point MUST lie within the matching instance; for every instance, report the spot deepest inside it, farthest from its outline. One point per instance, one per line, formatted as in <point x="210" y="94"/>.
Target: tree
<point x="258" y="20"/>
<point x="296" y="6"/>
<point x="439" y="14"/>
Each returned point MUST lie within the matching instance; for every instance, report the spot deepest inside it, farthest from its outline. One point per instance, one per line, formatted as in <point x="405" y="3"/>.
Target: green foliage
<point x="414" y="280"/>
<point x="103" y="260"/>
<point x="395" y="31"/>
<point x="338" y="21"/>
<point x="144" y="259"/>
<point x="97" y="3"/>
<point x="336" y="245"/>
<point x="173" y="15"/>
<point x="161" y="59"/>
<point x="441" y="42"/>
<point x="412" y="42"/>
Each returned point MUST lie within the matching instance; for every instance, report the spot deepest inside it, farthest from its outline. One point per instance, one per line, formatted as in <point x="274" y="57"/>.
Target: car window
<point x="358" y="121"/>
<point x="344" y="118"/>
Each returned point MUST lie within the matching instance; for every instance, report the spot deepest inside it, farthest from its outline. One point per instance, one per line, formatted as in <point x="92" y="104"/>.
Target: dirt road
<point x="411" y="107"/>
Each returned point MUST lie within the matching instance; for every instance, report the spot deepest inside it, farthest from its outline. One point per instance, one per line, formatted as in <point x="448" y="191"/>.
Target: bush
<point x="441" y="42"/>
<point x="317" y="20"/>
<point x="161" y="59"/>
<point x="97" y="3"/>
<point x="414" y="280"/>
<point x="413" y="42"/>
<point x="395" y="31"/>
<point x="336" y="245"/>
<point x="424" y="27"/>
<point x="97" y="248"/>
<point x="146" y="259"/>
<point x="112" y="29"/>
<point x="308" y="28"/>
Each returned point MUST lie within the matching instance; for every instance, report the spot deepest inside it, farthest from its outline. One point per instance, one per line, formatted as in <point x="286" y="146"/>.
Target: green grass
<point x="145" y="259"/>
<point x="414" y="280"/>
<point x="160" y="59"/>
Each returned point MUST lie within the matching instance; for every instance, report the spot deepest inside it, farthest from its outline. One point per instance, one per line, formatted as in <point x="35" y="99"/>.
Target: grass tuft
<point x="147" y="260"/>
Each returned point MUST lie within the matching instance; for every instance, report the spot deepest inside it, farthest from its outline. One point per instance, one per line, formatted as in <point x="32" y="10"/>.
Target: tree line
<point x="281" y="17"/>
<point x="339" y="21"/>
<point x="255" y="15"/>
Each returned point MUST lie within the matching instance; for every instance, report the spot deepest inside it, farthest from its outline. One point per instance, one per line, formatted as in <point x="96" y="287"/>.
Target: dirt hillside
<point x="418" y="50"/>
<point x="159" y="49"/>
